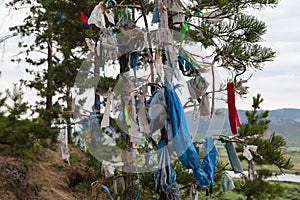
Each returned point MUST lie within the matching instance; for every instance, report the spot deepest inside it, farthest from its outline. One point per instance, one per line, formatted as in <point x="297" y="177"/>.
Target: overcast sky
<point x="278" y="82"/>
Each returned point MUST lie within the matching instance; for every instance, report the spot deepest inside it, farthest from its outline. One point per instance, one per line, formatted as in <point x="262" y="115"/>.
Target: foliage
<point x="59" y="35"/>
<point x="18" y="134"/>
<point x="270" y="152"/>
<point x="52" y="23"/>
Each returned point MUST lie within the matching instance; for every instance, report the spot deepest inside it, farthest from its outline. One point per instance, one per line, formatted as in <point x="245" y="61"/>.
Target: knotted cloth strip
<point x="232" y="112"/>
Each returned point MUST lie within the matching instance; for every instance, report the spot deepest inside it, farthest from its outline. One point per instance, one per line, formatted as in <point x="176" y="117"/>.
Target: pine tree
<point x="222" y="26"/>
<point x="53" y="24"/>
<point x="18" y="136"/>
<point x="270" y="152"/>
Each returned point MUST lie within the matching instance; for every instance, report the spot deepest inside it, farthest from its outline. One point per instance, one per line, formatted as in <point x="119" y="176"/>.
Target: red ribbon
<point x="83" y="18"/>
<point x="232" y="112"/>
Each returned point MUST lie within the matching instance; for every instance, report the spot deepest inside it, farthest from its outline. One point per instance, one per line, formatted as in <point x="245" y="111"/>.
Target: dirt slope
<point x="46" y="177"/>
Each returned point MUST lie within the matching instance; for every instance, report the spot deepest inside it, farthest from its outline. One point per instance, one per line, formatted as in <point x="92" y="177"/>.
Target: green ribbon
<point x="184" y="28"/>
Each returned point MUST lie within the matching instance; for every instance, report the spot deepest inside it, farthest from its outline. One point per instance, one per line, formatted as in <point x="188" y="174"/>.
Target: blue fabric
<point x="87" y="26"/>
<point x="165" y="176"/>
<point x="182" y="141"/>
<point x="188" y="57"/>
<point x="104" y="187"/>
<point x="187" y="66"/>
<point x="113" y="36"/>
<point x="210" y="158"/>
<point x="233" y="158"/>
<point x="134" y="59"/>
<point x="98" y="103"/>
<point x="155" y="14"/>
<point x="180" y="59"/>
<point x="147" y="156"/>
<point x="133" y="62"/>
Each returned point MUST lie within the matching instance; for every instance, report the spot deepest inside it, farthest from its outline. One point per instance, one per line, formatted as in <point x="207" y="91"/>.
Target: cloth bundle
<point x="197" y="88"/>
<point x="227" y="183"/>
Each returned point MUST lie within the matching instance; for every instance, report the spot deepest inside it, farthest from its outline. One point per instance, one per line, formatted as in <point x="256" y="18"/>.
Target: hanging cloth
<point x="142" y="116"/>
<point x="147" y="156"/>
<point x="227" y="183"/>
<point x="110" y="16"/>
<point x="63" y="139"/>
<point x="184" y="28"/>
<point x="193" y="192"/>
<point x="209" y="161"/>
<point x="97" y="16"/>
<point x="105" y="119"/>
<point x="134" y="59"/>
<point x="155" y="14"/>
<point x="123" y="58"/>
<point x="204" y="108"/>
<point x="134" y="133"/>
<point x="247" y="154"/>
<point x="165" y="176"/>
<point x="118" y="185"/>
<point x="233" y="158"/>
<point x="251" y="171"/>
<point x="84" y="20"/>
<point x="232" y="112"/>
<point x="179" y="136"/>
<point x="164" y="33"/>
<point x="190" y="71"/>
<point x="197" y="86"/>
<point x="93" y="126"/>
<point x="188" y="57"/>
<point x="133" y="62"/>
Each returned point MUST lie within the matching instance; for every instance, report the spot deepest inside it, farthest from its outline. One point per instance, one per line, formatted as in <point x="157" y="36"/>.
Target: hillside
<point x="44" y="177"/>
<point x="285" y="122"/>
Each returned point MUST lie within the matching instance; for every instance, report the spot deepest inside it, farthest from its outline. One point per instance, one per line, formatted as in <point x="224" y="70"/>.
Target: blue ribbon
<point x="104" y="187"/>
<point x="155" y="14"/>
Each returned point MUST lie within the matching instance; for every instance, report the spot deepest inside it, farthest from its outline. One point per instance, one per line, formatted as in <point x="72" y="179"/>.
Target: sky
<point x="278" y="82"/>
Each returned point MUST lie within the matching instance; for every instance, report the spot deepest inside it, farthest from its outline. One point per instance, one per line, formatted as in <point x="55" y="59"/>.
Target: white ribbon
<point x="247" y="151"/>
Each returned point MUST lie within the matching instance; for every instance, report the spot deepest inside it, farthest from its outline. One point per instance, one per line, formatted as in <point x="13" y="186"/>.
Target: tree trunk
<point x="49" y="87"/>
<point x="69" y="108"/>
<point x="98" y="63"/>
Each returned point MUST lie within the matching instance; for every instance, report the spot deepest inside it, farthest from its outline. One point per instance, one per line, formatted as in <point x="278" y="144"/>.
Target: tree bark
<point x="69" y="108"/>
<point x="49" y="87"/>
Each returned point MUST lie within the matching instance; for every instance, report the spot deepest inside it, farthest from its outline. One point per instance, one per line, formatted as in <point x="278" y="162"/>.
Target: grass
<point x="84" y="187"/>
<point x="74" y="158"/>
<point x="292" y="152"/>
<point x="292" y="191"/>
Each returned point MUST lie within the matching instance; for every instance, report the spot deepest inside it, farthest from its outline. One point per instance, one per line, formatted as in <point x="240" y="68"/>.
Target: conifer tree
<point x="18" y="134"/>
<point x="56" y="27"/>
<point x="222" y="26"/>
<point x="270" y="152"/>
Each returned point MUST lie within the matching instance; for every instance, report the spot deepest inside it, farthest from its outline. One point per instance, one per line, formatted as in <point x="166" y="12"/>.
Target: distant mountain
<point x="285" y="122"/>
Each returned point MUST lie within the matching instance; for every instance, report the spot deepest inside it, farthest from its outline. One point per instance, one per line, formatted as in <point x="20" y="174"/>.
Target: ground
<point x="45" y="177"/>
